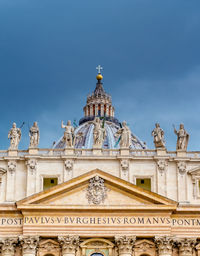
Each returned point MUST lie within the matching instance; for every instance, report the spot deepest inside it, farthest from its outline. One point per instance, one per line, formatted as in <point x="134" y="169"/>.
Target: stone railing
<point x="102" y="152"/>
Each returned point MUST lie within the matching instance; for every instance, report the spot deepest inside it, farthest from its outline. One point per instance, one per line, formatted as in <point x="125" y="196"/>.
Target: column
<point x="8" y="246"/>
<point x="186" y="246"/>
<point x="10" y="185"/>
<point x="107" y="110"/>
<point x="102" y="109"/>
<point x="29" y="245"/>
<point x="125" y="245"/>
<point x="96" y="109"/>
<point x="69" y="245"/>
<point x="164" y="245"/>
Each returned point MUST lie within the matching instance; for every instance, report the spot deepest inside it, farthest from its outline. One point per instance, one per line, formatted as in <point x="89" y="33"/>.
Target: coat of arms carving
<point x="96" y="191"/>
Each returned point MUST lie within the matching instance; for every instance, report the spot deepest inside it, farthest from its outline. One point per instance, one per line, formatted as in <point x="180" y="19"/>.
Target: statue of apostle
<point x="158" y="135"/>
<point x="68" y="134"/>
<point x="182" y="138"/>
<point x="34" y="135"/>
<point x="14" y="135"/>
<point x="125" y="134"/>
<point x="99" y="133"/>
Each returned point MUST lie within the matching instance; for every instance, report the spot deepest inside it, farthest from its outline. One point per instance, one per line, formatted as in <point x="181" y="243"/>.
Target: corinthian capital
<point x="8" y="246"/>
<point x="125" y="244"/>
<point x="186" y="246"/>
<point x="29" y="244"/>
<point x="164" y="244"/>
<point x="69" y="244"/>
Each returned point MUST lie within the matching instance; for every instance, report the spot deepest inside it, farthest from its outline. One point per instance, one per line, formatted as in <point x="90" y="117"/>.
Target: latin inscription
<point x="97" y="221"/>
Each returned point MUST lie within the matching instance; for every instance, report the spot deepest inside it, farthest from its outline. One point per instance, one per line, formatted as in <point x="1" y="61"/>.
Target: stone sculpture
<point x="125" y="134"/>
<point x="68" y="134"/>
<point x="182" y="138"/>
<point x="96" y="190"/>
<point x="14" y="135"/>
<point x="158" y="135"/>
<point x="99" y="133"/>
<point x="34" y="135"/>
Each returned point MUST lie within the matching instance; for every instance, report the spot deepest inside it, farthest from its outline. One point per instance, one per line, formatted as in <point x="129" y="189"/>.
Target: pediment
<point x="107" y="192"/>
<point x="195" y="171"/>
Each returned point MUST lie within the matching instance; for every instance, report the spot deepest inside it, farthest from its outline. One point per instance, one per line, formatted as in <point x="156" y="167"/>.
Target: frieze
<point x="100" y="220"/>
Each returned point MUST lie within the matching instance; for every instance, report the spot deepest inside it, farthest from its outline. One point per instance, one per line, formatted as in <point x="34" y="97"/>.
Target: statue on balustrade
<point x="99" y="133"/>
<point x="158" y="135"/>
<point x="68" y="134"/>
<point x="34" y="135"/>
<point x="125" y="136"/>
<point x="182" y="138"/>
<point x="14" y="135"/>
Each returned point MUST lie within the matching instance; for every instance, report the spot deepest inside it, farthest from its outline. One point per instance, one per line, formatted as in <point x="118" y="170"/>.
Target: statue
<point x="34" y="135"/>
<point x="125" y="134"/>
<point x="99" y="133"/>
<point x="68" y="134"/>
<point x="182" y="138"/>
<point x="158" y="134"/>
<point x="14" y="135"/>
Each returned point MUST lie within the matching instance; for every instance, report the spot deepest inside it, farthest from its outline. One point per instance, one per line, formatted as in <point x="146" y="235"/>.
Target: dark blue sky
<point x="150" y="51"/>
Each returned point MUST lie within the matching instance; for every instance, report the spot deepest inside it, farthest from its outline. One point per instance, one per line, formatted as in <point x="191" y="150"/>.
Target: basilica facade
<point x="99" y="191"/>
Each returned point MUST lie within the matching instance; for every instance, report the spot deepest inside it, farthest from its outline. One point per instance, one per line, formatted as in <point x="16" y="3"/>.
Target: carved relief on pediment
<point x="49" y="246"/>
<point x="144" y="246"/>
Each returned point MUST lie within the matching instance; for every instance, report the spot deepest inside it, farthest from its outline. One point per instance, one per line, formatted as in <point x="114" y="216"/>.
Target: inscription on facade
<point x="99" y="220"/>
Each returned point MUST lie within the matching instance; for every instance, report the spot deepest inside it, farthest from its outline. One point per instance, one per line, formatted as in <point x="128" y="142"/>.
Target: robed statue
<point x="182" y="138"/>
<point x="14" y="135"/>
<point x="158" y="135"/>
<point x="99" y="133"/>
<point x="124" y="133"/>
<point x="34" y="135"/>
<point x="68" y="134"/>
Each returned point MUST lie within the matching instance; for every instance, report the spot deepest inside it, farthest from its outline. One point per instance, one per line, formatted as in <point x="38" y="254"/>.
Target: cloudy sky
<point x="149" y="49"/>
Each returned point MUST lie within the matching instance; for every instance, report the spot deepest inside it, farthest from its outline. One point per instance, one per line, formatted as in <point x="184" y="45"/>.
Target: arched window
<point x="49" y="254"/>
<point x="97" y="254"/>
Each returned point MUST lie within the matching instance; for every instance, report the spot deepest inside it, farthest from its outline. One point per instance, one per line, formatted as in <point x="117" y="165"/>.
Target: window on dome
<point x="49" y="183"/>
<point x="144" y="183"/>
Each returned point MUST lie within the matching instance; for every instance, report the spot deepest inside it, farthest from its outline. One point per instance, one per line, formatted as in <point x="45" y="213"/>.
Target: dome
<point x="84" y="137"/>
<point x="99" y="105"/>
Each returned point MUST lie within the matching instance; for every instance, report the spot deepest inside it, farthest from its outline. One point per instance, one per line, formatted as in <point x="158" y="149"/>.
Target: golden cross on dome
<point x="99" y="68"/>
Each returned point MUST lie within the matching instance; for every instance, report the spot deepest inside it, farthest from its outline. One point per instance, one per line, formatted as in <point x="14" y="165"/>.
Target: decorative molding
<point x="32" y="164"/>
<point x="164" y="244"/>
<point x="29" y="244"/>
<point x="8" y="245"/>
<point x="182" y="167"/>
<point x="69" y="164"/>
<point x="162" y="165"/>
<point x="124" y="165"/>
<point x="12" y="165"/>
<point x="69" y="244"/>
<point x="144" y="246"/>
<point x="125" y="244"/>
<point x="96" y="190"/>
<point x="186" y="246"/>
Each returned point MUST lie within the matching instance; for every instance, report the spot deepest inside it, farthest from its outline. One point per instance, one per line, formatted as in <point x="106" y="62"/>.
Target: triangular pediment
<point x="107" y="192"/>
<point x="195" y="171"/>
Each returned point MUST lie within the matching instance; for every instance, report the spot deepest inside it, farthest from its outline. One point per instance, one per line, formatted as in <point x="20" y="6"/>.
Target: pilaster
<point x="10" y="185"/>
<point x="31" y="176"/>
<point x="69" y="245"/>
<point x="8" y="246"/>
<point x="29" y="245"/>
<point x="125" y="245"/>
<point x="164" y="245"/>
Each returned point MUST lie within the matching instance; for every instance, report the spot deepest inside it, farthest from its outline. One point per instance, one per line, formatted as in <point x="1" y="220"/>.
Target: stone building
<point x="99" y="191"/>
